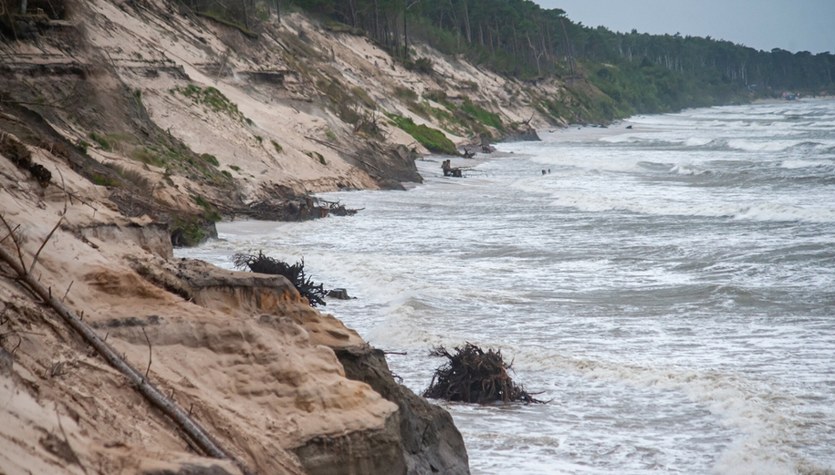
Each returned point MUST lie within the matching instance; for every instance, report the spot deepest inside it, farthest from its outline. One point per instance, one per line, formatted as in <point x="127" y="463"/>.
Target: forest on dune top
<point x="638" y="72"/>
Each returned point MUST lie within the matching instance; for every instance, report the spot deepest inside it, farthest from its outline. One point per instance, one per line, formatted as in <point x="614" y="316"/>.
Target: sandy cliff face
<point x="149" y="118"/>
<point x="299" y="108"/>
<point x="245" y="354"/>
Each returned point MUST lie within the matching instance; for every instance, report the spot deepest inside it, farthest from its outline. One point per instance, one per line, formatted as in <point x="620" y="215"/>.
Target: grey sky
<point x="793" y="25"/>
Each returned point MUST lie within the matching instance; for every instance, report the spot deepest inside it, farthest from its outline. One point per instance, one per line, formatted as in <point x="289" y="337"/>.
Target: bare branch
<point x="17" y="243"/>
<point x="75" y="196"/>
<point x="55" y="228"/>
<point x="67" y="292"/>
<point x="11" y="233"/>
<point x="25" y="332"/>
<point x="148" y="340"/>
<point x="59" y="103"/>
<point x="19" y="341"/>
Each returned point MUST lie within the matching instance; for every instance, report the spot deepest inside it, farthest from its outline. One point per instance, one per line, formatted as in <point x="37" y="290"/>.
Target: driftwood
<point x="449" y="170"/>
<point x="262" y="264"/>
<point x="475" y="376"/>
<point x="336" y="208"/>
<point x="299" y="208"/>
<point x="196" y="433"/>
<point x="339" y="294"/>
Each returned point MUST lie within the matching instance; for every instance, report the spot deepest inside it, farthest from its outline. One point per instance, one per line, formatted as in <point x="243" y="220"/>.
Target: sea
<point x="666" y="284"/>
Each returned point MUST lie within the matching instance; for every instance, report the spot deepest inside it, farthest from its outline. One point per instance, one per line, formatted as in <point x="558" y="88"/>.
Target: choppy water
<point x="670" y="287"/>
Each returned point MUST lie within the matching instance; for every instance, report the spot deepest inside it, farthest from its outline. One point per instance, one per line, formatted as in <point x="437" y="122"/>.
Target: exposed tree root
<point x="475" y="376"/>
<point x="314" y="293"/>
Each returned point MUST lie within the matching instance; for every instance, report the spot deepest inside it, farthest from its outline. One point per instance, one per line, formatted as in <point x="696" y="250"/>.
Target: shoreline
<point x="593" y="369"/>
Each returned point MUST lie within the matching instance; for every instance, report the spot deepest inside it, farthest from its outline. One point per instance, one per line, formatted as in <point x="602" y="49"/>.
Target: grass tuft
<point x="213" y="99"/>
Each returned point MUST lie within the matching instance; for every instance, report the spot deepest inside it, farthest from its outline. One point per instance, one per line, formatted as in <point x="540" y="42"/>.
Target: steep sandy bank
<point x="185" y="119"/>
<point x="242" y="352"/>
<point x="148" y="123"/>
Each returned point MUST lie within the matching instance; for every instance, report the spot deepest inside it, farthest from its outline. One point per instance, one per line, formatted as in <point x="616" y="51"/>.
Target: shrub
<point x="147" y="155"/>
<point x="362" y="96"/>
<point x="209" y="158"/>
<point x="103" y="180"/>
<point x="317" y="156"/>
<point x="132" y="176"/>
<point x="82" y="146"/>
<point x="421" y="65"/>
<point x="437" y="95"/>
<point x="210" y="213"/>
<point x="189" y="231"/>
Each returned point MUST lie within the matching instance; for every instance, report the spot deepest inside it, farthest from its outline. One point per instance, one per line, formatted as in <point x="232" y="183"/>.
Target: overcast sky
<point x="793" y="25"/>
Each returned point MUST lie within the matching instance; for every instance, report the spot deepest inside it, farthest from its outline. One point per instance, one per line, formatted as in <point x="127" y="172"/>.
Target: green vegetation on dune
<point x="212" y="98"/>
<point x="433" y="139"/>
<point x="101" y="140"/>
<point x="482" y="115"/>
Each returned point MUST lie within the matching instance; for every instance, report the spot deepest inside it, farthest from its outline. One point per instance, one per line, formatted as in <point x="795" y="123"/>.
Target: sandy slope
<point x="244" y="354"/>
<point x="291" y="113"/>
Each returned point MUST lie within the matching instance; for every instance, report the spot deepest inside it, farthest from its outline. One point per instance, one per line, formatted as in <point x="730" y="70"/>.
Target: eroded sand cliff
<point x="153" y="122"/>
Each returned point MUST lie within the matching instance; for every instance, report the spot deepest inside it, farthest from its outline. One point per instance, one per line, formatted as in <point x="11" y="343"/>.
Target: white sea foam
<point x="795" y="164"/>
<point x="762" y="145"/>
<point x="697" y="141"/>
<point x="681" y="202"/>
<point x="759" y="415"/>
<point x="688" y="169"/>
<point x="669" y="287"/>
